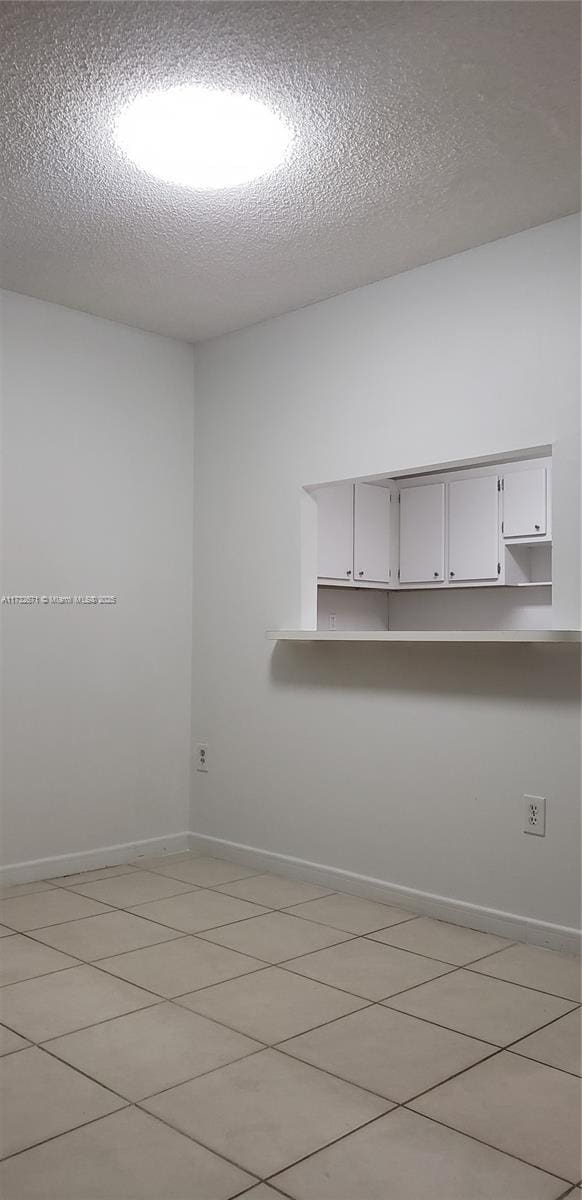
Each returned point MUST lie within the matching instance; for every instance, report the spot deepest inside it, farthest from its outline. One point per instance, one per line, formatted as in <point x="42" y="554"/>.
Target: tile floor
<point x="188" y="1029"/>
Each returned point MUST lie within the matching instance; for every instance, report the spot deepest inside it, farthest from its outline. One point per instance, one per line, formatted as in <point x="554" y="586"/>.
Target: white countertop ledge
<point x="572" y="636"/>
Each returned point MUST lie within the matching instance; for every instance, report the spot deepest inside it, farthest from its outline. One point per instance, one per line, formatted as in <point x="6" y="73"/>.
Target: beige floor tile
<point x="205" y="872"/>
<point x="534" y="967"/>
<point x="128" y="890"/>
<point x="518" y="1106"/>
<point x="367" y="969"/>
<point x="68" y="1000"/>
<point x="42" y="1097"/>
<point x="271" y="1004"/>
<point x="93" y="876"/>
<point x="114" y="932"/>
<point x="558" y="1045"/>
<point x="179" y="966"/>
<point x="22" y="958"/>
<point x="389" y="1053"/>
<point x="483" y="1008"/>
<point x="47" y="908"/>
<point x="4" y="932"/>
<point x="9" y="890"/>
<point x="275" y="936"/>
<point x="266" y="1111"/>
<point x="437" y="939"/>
<point x="351" y="914"/>
<point x="404" y="1157"/>
<point x="9" y="1042"/>
<point x="273" y="891"/>
<point x="198" y="910"/>
<point x="148" y="1051"/>
<point x="127" y="1156"/>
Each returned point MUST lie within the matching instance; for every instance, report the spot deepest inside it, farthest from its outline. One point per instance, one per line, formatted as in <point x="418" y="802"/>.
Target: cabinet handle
<point x="348" y="572"/>
<point x="360" y="572"/>
<point x="536" y="526"/>
<point x="436" y="574"/>
<point x="452" y="573"/>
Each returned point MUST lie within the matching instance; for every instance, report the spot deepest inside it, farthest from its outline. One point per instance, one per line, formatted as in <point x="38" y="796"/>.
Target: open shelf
<point x="573" y="636"/>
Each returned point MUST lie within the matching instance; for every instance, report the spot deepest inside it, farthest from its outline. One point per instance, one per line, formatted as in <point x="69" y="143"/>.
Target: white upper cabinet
<point x="335" y="531"/>
<point x="371" y="533"/>
<point x="525" y="503"/>
<point x="473" y="526"/>
<point x="422" y="533"/>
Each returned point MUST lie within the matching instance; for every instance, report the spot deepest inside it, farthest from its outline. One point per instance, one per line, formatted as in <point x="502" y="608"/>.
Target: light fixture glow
<point x="201" y="138"/>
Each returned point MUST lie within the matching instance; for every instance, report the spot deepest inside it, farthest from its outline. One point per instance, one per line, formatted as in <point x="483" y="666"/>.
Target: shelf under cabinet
<point x="571" y="636"/>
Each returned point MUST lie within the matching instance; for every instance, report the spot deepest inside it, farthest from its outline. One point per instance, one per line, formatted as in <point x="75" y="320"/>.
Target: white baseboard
<point x="87" y="860"/>
<point x="459" y="912"/>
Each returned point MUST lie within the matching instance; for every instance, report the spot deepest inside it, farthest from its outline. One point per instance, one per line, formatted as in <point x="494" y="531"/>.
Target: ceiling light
<point x="201" y="138"/>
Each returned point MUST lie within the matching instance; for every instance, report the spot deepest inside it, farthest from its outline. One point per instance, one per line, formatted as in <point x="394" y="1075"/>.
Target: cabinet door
<point x="371" y="533"/>
<point x="473" y="528"/>
<point x="422" y="533"/>
<point x="525" y="503"/>
<point x="335" y="531"/>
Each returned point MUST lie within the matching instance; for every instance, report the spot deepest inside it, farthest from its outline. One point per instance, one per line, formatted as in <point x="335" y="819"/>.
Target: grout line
<point x="270" y="1045"/>
<point x="197" y="1142"/>
<point x="172" y="1087"/>
<point x="45" y="975"/>
<point x="65" y="887"/>
<point x="361" y="1087"/>
<point x="419" y="954"/>
<point x="91" y="962"/>
<point x="40" y="1042"/>
<point x="252" y="1171"/>
<point x="32" y="930"/>
<point x="222" y="888"/>
<point x="84" y="962"/>
<point x="328" y="1146"/>
<point x="210" y="886"/>
<point x="55" y="1136"/>
<point x="158" y="995"/>
<point x="473" y="1138"/>
<point x="79" y="1070"/>
<point x="460" y="1132"/>
<point x="207" y="928"/>
<point x="259" y="1049"/>
<point x="285" y="965"/>
<point x="339" y="928"/>
<point x="527" y="986"/>
<point x="348" y="937"/>
<point x="56" y="1037"/>
<point x="475" y="1037"/>
<point x="186" y="889"/>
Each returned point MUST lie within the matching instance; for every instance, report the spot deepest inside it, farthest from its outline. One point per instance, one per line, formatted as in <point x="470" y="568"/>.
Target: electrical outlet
<point x="202" y="756"/>
<point x="534" y="815"/>
<point x="331" y="621"/>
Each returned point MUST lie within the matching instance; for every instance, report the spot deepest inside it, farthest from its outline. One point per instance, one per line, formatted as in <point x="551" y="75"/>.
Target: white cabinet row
<point x="433" y="532"/>
<point x="354" y="541"/>
<point x="472" y="508"/>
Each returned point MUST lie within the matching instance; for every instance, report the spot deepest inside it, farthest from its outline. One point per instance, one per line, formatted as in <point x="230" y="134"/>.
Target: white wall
<point x="402" y="763"/>
<point x="98" y="454"/>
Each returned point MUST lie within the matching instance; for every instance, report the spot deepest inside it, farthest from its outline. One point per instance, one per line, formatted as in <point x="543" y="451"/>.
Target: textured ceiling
<point x="420" y="129"/>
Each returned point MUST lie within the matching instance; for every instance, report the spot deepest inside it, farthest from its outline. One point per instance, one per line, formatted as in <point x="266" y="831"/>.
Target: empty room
<point x="291" y="737"/>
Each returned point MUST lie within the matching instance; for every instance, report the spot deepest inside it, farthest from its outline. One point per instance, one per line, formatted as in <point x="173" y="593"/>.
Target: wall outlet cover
<point x="534" y="815"/>
<point x="201" y="756"/>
